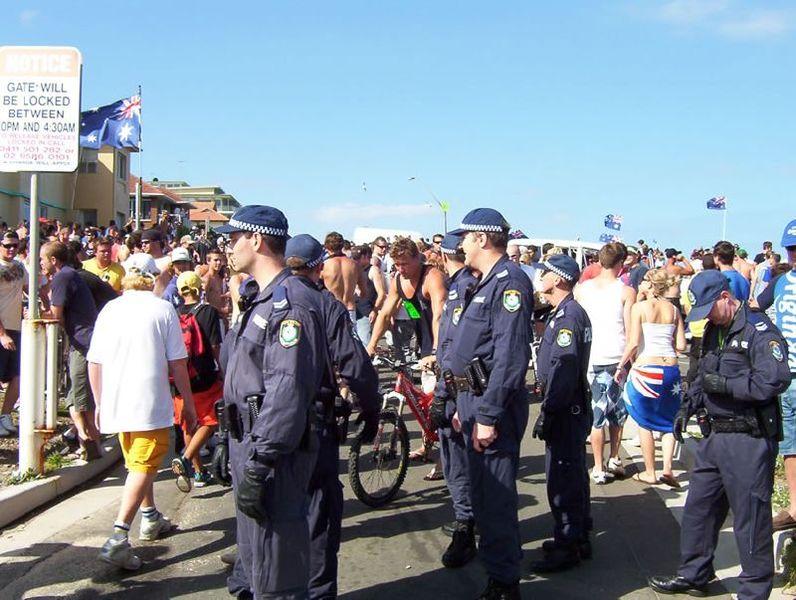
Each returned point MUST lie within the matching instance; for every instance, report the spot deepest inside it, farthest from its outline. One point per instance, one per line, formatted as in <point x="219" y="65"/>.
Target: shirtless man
<point x="679" y="267"/>
<point x="421" y="289"/>
<point x="213" y="282"/>
<point x="340" y="274"/>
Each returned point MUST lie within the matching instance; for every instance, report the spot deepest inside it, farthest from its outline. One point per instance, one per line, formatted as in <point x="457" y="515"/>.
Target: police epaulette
<point x="280" y="301"/>
<point x="759" y="320"/>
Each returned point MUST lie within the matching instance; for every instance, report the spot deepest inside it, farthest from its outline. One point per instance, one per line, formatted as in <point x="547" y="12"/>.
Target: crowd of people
<point x="218" y="326"/>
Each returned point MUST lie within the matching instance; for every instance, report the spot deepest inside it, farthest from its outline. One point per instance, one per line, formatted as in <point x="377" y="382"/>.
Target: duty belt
<point x="462" y="384"/>
<point x="739" y="424"/>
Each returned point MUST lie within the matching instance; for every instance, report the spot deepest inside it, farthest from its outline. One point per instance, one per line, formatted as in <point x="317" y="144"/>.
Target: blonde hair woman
<point x="652" y="392"/>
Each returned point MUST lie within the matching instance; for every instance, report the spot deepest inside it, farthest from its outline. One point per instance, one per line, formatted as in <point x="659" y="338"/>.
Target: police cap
<point x="306" y="248"/>
<point x="703" y="292"/>
<point x="482" y="219"/>
<point x="450" y="244"/>
<point x="562" y="265"/>
<point x="265" y="220"/>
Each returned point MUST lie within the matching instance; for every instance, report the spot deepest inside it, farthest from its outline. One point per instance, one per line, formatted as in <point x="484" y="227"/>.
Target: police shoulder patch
<point x="564" y="338"/>
<point x="776" y="351"/>
<point x="512" y="300"/>
<point x="289" y="333"/>
<point x="457" y="314"/>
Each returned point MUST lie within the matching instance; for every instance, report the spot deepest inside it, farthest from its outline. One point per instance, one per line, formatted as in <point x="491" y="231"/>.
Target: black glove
<point x="541" y="429"/>
<point x="436" y="413"/>
<point x="713" y="383"/>
<point x="368" y="426"/>
<point x="681" y="422"/>
<point x="250" y="494"/>
<point x="219" y="465"/>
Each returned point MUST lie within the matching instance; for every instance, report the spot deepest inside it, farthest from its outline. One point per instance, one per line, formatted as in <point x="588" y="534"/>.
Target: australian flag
<point x="517" y="234"/>
<point x="717" y="203"/>
<point x="607" y="238"/>
<point x="117" y="125"/>
<point x="613" y="222"/>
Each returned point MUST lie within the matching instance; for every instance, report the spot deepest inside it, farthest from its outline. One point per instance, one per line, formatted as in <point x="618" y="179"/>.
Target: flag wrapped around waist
<point x="117" y="125"/>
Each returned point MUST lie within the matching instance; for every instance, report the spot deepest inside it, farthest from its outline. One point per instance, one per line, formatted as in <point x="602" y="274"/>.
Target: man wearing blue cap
<point x="275" y="360"/>
<point x="304" y="256"/>
<point x="781" y="294"/>
<point x="489" y="357"/>
<point x="742" y="370"/>
<point x="452" y="448"/>
<point x="564" y="419"/>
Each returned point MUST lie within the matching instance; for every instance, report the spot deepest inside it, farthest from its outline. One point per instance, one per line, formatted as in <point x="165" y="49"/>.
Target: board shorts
<point x="144" y="450"/>
<point x="204" y="403"/>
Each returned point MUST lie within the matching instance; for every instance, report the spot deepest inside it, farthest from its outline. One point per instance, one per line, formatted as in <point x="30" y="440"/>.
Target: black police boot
<point x="584" y="548"/>
<point x="461" y="550"/>
<point x="500" y="591"/>
<point x="560" y="558"/>
<point x="676" y="585"/>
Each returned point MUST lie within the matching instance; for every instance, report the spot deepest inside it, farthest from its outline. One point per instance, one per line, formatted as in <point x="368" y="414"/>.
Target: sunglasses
<point x="9" y="246"/>
<point x="382" y="247"/>
<point x="437" y="241"/>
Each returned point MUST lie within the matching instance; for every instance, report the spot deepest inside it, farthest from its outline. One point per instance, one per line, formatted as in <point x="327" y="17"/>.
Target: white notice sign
<point x="39" y="108"/>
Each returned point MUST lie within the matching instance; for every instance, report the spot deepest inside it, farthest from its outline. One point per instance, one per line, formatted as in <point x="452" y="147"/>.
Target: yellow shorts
<point x="144" y="450"/>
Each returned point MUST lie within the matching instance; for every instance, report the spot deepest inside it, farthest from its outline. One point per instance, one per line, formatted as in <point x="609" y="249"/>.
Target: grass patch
<point x="780" y="498"/>
<point x="18" y="478"/>
<point x="53" y="461"/>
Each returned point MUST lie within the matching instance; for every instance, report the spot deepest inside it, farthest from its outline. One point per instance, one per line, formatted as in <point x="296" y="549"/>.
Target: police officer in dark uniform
<point x="489" y="357"/>
<point x="274" y="364"/>
<point x="453" y="450"/>
<point x="564" y="419"/>
<point x="348" y="359"/>
<point x="742" y="370"/>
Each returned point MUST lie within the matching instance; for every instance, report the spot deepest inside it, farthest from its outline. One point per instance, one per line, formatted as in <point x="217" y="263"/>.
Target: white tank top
<point x="606" y="313"/>
<point x="658" y="339"/>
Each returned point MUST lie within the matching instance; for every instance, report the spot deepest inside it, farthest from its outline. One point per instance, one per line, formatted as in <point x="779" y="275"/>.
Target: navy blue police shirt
<point x="753" y="356"/>
<point x="278" y="349"/>
<point x="495" y="326"/>
<point x="563" y="357"/>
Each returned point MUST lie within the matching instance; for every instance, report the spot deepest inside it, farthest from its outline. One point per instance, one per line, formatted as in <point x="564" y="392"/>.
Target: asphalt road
<point x="391" y="553"/>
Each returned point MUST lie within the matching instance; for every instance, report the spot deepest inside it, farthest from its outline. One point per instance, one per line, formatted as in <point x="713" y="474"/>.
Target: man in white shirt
<point x="13" y="280"/>
<point x="607" y="301"/>
<point x="129" y="368"/>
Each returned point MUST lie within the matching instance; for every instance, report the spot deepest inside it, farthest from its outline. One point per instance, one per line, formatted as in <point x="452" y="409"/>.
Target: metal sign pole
<point x="33" y="250"/>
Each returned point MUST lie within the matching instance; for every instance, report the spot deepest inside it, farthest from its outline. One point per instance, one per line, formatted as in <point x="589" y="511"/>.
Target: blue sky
<point x="555" y="113"/>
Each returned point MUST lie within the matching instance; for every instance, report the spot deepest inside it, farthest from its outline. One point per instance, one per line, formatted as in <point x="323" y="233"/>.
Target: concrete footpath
<point x="386" y="554"/>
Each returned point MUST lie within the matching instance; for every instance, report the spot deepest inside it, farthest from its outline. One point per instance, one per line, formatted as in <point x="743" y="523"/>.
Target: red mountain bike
<point x="376" y="471"/>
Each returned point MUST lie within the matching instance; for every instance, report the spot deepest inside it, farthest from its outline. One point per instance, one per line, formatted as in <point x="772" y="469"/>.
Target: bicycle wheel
<point x="377" y="470"/>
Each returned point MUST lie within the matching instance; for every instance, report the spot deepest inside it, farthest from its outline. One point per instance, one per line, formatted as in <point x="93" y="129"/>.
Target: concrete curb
<point x="18" y="500"/>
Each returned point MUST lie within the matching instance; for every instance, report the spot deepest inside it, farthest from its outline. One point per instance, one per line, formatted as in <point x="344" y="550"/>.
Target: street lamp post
<point x="442" y="205"/>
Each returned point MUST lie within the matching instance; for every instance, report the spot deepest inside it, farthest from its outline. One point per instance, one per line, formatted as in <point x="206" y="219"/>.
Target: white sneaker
<point x="152" y="530"/>
<point x="615" y="467"/>
<point x="600" y="477"/>
<point x="119" y="553"/>
<point x="8" y="424"/>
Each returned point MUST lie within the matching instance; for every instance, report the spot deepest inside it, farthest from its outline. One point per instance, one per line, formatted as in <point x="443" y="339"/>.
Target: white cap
<point x="142" y="262"/>
<point x="179" y="254"/>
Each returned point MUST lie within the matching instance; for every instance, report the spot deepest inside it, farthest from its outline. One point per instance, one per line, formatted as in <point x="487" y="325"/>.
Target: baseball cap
<point x="789" y="235"/>
<point x="187" y="239"/>
<point x="632" y="250"/>
<point x="705" y="289"/>
<point x="562" y="265"/>
<point x="143" y="263"/>
<point x="482" y="219"/>
<point x="266" y="220"/>
<point x="671" y="252"/>
<point x="180" y="254"/>
<point x="190" y="281"/>
<point x="306" y="248"/>
<point x="152" y="235"/>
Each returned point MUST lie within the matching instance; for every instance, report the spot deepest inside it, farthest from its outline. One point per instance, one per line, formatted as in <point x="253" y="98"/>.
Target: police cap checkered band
<point x="548" y="266"/>
<point x="448" y="250"/>
<point x="487" y="228"/>
<point x="261" y="229"/>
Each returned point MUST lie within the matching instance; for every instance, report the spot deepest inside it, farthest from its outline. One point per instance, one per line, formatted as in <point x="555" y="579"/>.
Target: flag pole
<point x="724" y="225"/>
<point x="138" y="184"/>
